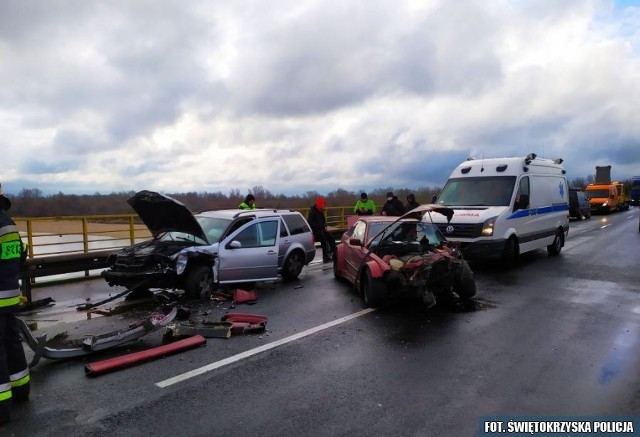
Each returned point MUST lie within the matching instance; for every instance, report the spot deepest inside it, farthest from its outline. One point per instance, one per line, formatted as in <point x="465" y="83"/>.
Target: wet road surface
<point x="555" y="336"/>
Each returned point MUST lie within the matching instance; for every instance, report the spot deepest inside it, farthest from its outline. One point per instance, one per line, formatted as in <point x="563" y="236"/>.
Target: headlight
<point x="605" y="203"/>
<point x="163" y="263"/>
<point x="487" y="226"/>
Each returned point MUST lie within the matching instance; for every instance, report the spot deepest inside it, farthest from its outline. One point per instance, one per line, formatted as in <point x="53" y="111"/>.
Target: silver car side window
<point x="267" y="232"/>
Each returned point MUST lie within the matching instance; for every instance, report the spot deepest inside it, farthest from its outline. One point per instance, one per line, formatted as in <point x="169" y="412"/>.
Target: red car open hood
<point x="447" y="212"/>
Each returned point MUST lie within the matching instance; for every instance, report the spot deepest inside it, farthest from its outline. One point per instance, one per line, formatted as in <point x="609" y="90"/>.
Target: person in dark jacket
<point x="318" y="224"/>
<point x="14" y="372"/>
<point x="393" y="206"/>
<point x="411" y="202"/>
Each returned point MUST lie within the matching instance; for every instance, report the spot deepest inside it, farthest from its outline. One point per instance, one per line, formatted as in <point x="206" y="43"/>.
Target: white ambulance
<point x="506" y="206"/>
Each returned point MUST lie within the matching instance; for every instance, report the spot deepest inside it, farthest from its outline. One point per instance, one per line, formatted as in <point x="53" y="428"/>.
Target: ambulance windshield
<point x="478" y="191"/>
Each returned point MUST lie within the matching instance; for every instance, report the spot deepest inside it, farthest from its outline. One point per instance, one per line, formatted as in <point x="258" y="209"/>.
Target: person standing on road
<point x="318" y="224"/>
<point x="393" y="206"/>
<point x="249" y="202"/>
<point x="364" y="206"/>
<point x="411" y="202"/>
<point x="14" y="372"/>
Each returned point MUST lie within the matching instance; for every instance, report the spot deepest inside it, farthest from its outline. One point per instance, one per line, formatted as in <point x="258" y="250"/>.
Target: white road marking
<point x="605" y="226"/>
<point x="246" y="354"/>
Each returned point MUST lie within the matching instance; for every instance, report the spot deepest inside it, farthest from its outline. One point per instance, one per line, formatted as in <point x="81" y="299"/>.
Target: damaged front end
<point x="418" y="261"/>
<point x="430" y="276"/>
<point x="150" y="263"/>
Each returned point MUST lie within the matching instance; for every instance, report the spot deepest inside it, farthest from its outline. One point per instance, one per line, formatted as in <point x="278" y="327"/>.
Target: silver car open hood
<point x="162" y="213"/>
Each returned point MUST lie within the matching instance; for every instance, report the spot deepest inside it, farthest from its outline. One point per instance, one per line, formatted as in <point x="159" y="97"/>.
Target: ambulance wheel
<point x="510" y="254"/>
<point x="555" y="247"/>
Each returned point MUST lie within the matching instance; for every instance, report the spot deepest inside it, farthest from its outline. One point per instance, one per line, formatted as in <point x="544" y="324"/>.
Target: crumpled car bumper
<point x="147" y="279"/>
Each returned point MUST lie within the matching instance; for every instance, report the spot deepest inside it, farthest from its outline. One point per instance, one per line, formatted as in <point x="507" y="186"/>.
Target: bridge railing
<point x="69" y="244"/>
<point x="47" y="236"/>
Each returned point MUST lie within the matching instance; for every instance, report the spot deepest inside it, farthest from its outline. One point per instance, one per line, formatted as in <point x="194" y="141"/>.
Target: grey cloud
<point x="37" y="166"/>
<point x="450" y="51"/>
<point x="285" y="73"/>
<point x="340" y="58"/>
<point x="524" y="137"/>
<point x="425" y="165"/>
<point x="328" y="57"/>
<point x="432" y="168"/>
<point x="148" y="68"/>
<point x="72" y="142"/>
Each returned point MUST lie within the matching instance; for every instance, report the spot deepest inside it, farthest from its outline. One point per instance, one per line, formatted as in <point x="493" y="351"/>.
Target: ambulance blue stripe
<point x="537" y="211"/>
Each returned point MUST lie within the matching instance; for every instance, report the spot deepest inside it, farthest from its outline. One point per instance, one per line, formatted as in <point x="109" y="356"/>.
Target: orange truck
<point x="606" y="196"/>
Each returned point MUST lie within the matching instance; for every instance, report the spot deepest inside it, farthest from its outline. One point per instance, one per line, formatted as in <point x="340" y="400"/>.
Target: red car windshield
<point x="406" y="231"/>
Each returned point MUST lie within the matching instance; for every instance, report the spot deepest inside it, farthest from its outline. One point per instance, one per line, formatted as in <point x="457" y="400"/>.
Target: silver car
<point x="199" y="252"/>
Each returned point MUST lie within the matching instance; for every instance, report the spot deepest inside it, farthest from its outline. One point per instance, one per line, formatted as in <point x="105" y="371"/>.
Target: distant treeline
<point x="31" y="202"/>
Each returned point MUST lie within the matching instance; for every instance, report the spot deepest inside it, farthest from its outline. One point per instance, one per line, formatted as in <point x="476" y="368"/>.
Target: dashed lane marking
<point x="246" y="354"/>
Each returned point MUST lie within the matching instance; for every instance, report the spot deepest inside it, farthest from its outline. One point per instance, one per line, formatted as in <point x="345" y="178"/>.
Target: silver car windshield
<point x="478" y="191"/>
<point x="213" y="227"/>
<point x="180" y="236"/>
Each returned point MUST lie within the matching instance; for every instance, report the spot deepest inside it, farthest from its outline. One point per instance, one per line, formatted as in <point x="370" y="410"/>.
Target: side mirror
<point x="434" y="198"/>
<point x="235" y="244"/>
<point x="355" y="242"/>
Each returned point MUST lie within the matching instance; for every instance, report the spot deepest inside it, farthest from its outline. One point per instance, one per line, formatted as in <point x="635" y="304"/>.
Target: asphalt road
<point x="555" y="336"/>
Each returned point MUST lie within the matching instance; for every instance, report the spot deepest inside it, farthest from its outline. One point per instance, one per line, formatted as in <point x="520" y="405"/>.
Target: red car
<point x="393" y="256"/>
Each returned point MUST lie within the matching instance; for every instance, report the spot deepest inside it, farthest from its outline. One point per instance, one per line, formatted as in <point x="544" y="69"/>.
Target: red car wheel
<point x="373" y="291"/>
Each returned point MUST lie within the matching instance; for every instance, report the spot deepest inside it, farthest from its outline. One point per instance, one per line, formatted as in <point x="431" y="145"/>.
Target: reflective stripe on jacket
<point x="10" y="259"/>
<point x="5" y="392"/>
<point x="21" y="378"/>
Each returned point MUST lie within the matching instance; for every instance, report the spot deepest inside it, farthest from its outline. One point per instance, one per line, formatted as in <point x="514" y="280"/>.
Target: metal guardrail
<point x="47" y="236"/>
<point x="60" y="264"/>
<point x="69" y="244"/>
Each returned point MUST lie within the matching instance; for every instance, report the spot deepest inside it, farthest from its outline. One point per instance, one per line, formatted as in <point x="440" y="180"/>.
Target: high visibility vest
<point x="10" y="257"/>
<point x="245" y="205"/>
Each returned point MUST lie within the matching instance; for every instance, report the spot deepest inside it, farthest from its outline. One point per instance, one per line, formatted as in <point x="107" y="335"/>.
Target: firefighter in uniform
<point x="14" y="372"/>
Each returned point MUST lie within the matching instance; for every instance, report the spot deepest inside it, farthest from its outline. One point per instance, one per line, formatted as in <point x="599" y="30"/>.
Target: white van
<point x="506" y="206"/>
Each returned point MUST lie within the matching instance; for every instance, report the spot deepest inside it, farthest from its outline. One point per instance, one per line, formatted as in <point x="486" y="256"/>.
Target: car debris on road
<point x="60" y="347"/>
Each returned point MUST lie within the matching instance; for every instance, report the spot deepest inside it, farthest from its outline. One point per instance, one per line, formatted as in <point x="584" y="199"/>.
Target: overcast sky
<point x="310" y="95"/>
